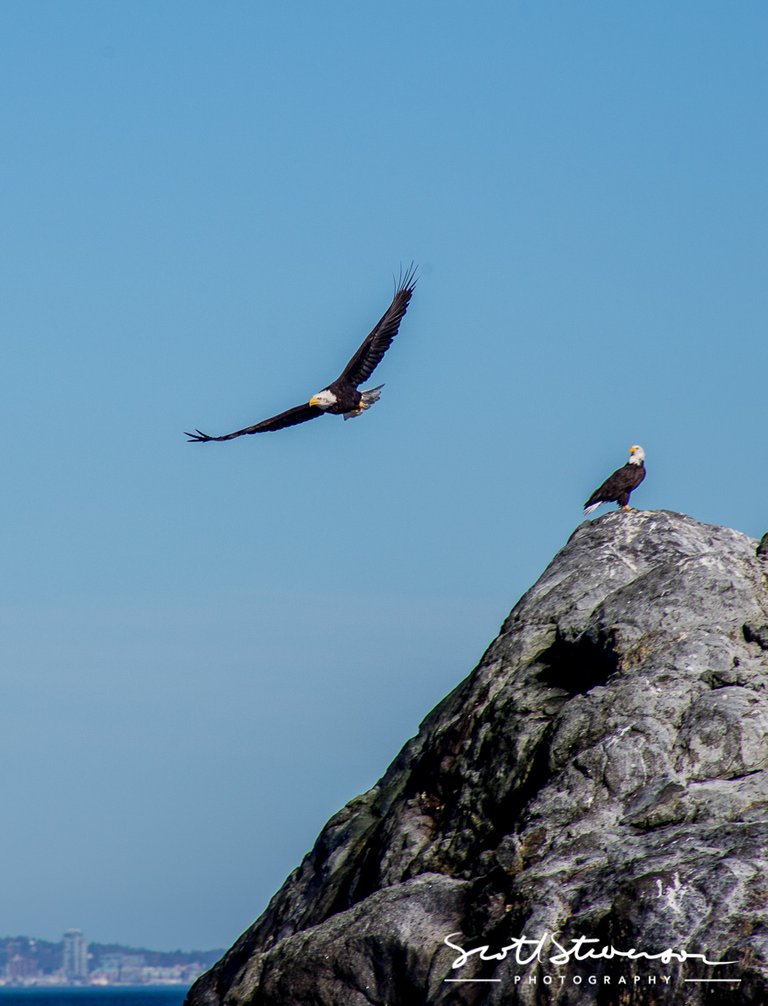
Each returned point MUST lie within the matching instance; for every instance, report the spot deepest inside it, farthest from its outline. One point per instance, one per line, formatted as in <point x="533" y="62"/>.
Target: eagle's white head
<point x="636" y="455"/>
<point x="323" y="399"/>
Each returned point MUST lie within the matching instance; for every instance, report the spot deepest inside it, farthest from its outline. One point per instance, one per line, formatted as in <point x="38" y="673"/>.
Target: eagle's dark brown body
<point x="618" y="487"/>
<point x="347" y="399"/>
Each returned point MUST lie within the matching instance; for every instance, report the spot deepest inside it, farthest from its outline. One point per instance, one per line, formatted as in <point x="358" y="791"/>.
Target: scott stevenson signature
<point x="526" y="951"/>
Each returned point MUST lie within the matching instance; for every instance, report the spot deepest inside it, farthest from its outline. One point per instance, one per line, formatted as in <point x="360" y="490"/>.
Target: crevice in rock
<point x="363" y="880"/>
<point x="744" y="775"/>
<point x="509" y="813"/>
<point x="756" y="634"/>
<point x="578" y="665"/>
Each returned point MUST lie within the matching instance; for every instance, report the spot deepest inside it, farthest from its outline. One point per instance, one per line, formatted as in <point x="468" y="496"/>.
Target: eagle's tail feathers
<point x="367" y="399"/>
<point x="370" y="396"/>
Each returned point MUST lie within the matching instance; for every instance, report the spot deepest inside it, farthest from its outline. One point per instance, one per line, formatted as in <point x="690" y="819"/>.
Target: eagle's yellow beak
<point x="313" y="400"/>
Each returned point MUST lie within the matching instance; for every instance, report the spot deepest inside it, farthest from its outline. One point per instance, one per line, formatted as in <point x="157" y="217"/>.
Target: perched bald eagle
<point x="342" y="398"/>
<point x="618" y="488"/>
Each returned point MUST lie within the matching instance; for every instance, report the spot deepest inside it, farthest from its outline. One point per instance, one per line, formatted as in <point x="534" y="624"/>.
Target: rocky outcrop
<point x="600" y="776"/>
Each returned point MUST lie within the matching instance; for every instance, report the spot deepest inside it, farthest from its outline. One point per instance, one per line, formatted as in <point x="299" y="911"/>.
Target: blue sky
<point x="208" y="649"/>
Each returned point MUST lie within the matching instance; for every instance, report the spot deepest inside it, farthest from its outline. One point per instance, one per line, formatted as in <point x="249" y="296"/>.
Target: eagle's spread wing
<point x="291" y="417"/>
<point x="375" y="345"/>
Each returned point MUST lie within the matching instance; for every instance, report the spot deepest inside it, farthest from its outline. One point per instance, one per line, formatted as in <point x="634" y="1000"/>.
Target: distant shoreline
<point x="87" y="989"/>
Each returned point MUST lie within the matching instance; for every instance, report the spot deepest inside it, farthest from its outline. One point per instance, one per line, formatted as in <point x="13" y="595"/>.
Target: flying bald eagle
<point x="341" y="398"/>
<point x="618" y="488"/>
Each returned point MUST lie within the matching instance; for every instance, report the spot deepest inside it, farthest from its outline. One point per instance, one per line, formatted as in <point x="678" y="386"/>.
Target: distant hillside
<point x="47" y="956"/>
<point x="156" y="958"/>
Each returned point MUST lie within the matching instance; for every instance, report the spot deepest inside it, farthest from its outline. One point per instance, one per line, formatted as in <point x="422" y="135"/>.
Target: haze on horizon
<point x="209" y="649"/>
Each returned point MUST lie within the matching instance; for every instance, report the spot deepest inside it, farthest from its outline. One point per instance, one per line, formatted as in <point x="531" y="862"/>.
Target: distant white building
<point x="75" y="962"/>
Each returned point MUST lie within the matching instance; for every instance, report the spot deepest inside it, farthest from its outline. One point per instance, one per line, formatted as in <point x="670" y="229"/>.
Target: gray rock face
<point x="600" y="775"/>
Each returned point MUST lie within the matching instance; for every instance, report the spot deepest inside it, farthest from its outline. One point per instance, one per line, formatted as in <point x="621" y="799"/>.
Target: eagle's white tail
<point x="589" y="509"/>
<point x="367" y="400"/>
<point x="371" y="396"/>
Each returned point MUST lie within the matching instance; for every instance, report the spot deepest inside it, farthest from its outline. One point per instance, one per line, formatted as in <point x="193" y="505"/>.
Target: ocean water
<point x="144" y="995"/>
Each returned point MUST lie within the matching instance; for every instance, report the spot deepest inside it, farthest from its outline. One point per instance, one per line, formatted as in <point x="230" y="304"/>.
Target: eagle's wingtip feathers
<point x="407" y="279"/>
